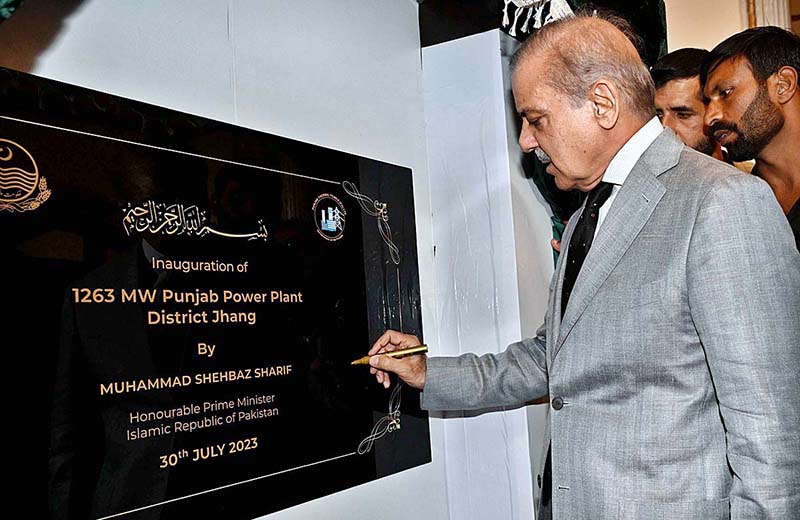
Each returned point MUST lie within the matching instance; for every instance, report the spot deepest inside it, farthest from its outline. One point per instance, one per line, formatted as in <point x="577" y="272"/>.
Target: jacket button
<point x="558" y="403"/>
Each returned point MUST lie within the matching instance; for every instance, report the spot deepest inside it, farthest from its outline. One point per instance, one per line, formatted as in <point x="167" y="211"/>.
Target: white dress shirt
<point x="623" y="162"/>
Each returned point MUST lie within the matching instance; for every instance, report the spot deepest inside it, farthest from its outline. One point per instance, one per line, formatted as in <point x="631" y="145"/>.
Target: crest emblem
<point x="21" y="186"/>
<point x="329" y="215"/>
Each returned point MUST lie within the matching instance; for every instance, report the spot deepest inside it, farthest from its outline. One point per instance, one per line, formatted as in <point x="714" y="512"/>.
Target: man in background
<point x="679" y="99"/>
<point x="750" y="85"/>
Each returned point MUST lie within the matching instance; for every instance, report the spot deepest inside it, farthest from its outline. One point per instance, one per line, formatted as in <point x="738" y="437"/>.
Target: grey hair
<point x="579" y="62"/>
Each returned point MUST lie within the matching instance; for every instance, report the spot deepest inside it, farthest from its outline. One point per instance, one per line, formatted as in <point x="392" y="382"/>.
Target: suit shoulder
<point x="702" y="168"/>
<point x="696" y="174"/>
<point x="713" y="191"/>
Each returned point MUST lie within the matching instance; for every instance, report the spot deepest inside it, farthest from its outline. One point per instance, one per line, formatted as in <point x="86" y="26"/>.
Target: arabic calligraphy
<point x="177" y="219"/>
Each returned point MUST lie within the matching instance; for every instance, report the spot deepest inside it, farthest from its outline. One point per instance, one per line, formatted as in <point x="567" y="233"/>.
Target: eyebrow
<point x="523" y="112"/>
<point x="716" y="91"/>
<point x="717" y="86"/>
<point x="681" y="108"/>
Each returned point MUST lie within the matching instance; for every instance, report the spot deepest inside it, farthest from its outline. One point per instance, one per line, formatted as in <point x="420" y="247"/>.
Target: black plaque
<point x="184" y="299"/>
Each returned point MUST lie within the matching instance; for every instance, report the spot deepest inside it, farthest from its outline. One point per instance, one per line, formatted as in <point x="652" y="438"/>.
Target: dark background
<point x="76" y="238"/>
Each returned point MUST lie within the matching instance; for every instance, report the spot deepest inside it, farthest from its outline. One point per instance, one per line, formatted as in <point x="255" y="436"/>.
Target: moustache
<point x="723" y="125"/>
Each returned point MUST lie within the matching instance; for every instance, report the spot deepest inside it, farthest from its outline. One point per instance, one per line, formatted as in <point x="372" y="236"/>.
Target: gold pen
<point x="419" y="349"/>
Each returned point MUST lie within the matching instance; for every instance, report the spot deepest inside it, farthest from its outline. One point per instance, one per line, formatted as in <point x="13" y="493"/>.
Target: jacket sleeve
<point x="470" y="382"/>
<point x="743" y="276"/>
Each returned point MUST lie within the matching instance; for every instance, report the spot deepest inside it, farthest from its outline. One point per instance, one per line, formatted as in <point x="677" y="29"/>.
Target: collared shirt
<point x="623" y="162"/>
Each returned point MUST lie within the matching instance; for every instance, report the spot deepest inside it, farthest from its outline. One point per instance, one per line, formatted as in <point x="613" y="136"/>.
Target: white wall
<point x="702" y="23"/>
<point x="534" y="258"/>
<point x="343" y="74"/>
<point x="492" y="266"/>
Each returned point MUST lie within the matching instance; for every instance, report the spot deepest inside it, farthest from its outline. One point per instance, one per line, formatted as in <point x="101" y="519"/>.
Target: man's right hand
<point x="410" y="369"/>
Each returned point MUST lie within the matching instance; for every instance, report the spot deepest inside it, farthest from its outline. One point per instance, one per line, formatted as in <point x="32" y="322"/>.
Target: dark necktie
<point x="579" y="245"/>
<point x="582" y="238"/>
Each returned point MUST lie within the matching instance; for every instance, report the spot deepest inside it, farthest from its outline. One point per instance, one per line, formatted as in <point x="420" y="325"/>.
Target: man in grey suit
<point x="671" y="345"/>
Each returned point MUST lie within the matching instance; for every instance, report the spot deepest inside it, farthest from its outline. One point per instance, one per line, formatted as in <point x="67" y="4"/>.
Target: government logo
<point x="21" y="187"/>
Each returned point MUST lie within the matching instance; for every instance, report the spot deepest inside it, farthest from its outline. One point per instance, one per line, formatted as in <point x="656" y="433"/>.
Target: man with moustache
<point x="750" y="85"/>
<point x="670" y="347"/>
<point x="679" y="99"/>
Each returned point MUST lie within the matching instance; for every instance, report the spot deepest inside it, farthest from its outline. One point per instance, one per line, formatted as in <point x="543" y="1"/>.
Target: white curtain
<point x="772" y="12"/>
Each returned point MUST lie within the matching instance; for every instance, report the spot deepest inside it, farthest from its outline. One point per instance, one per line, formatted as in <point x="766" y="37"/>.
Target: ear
<point x="604" y="98"/>
<point x="784" y="83"/>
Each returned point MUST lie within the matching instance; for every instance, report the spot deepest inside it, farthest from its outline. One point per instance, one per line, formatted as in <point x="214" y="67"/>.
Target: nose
<point x="713" y="114"/>
<point x="527" y="142"/>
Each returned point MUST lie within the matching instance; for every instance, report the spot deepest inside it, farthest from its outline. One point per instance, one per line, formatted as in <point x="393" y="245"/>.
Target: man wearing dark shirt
<point x="750" y="84"/>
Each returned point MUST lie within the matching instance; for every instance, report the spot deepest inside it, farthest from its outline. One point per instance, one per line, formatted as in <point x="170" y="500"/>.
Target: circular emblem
<point x="19" y="176"/>
<point x="329" y="215"/>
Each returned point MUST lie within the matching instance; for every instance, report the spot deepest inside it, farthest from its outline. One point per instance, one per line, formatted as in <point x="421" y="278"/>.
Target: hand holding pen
<point x="410" y="368"/>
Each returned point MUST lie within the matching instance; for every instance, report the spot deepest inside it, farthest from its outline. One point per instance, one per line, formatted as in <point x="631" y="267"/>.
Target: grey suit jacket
<point x="677" y="359"/>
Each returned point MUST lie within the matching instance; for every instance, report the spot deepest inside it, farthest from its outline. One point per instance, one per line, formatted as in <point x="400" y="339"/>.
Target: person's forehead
<point x="682" y="90"/>
<point x="529" y="85"/>
<point x="681" y="85"/>
<point x="737" y="67"/>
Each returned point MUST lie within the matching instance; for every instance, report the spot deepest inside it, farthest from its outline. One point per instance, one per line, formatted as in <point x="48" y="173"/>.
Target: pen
<point x="419" y="349"/>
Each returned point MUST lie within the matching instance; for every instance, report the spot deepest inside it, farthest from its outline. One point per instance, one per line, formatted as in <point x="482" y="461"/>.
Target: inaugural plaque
<point x="184" y="300"/>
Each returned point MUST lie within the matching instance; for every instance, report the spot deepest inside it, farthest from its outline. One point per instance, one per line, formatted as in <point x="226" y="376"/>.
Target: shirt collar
<point x="625" y="159"/>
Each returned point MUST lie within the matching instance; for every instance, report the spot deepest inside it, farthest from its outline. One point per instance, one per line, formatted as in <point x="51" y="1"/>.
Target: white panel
<point x="532" y="234"/>
<point x="347" y="74"/>
<point x="177" y="54"/>
<point x="477" y="308"/>
<point x="344" y="75"/>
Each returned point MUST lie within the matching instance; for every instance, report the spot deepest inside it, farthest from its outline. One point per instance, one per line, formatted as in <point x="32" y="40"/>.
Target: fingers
<point x="411" y="370"/>
<point x="383" y="342"/>
<point x="392" y="340"/>
<point x="556" y="244"/>
<point x="387" y="364"/>
<point x="382" y="378"/>
<point x="380" y="366"/>
<point x="379" y="344"/>
<point x="381" y="375"/>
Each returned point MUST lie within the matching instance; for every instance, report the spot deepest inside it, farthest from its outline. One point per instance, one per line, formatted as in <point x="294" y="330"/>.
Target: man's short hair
<point x="680" y="64"/>
<point x="578" y="65"/>
<point x="767" y="49"/>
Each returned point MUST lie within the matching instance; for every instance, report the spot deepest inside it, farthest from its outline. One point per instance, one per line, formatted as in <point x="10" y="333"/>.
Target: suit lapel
<point x="631" y="209"/>
<point x="555" y="303"/>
